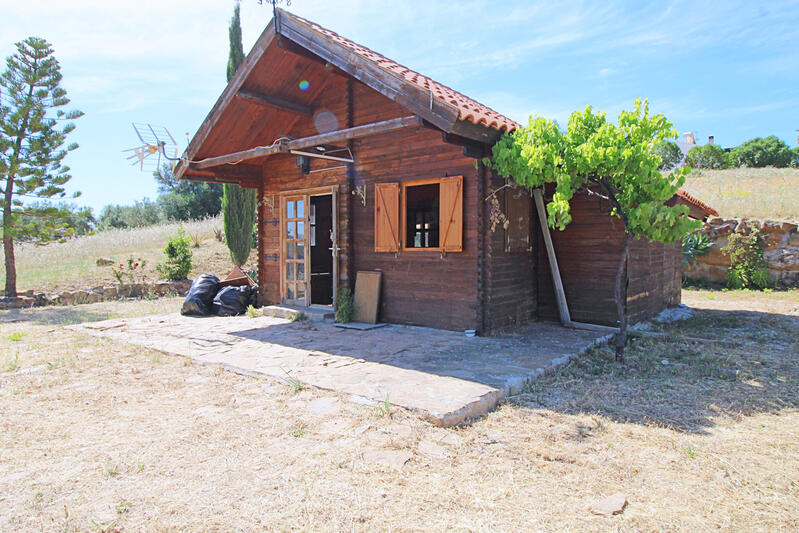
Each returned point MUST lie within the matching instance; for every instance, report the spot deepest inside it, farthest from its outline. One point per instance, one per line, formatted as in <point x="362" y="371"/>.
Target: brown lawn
<point x="699" y="435"/>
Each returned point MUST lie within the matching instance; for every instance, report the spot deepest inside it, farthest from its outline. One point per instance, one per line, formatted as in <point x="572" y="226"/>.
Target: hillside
<point x="748" y="192"/>
<point x="72" y="264"/>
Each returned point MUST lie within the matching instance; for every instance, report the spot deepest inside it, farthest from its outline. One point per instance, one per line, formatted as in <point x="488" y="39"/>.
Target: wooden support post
<point x="560" y="295"/>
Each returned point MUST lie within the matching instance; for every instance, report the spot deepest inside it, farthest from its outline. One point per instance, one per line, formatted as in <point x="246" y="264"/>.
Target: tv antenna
<point x="154" y="140"/>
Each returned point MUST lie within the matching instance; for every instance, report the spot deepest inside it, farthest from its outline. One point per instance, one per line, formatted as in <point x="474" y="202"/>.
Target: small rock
<point x="674" y="314"/>
<point x="196" y="379"/>
<point x="611" y="505"/>
<point x="431" y="449"/>
<point x="93" y="297"/>
<point x="104" y="261"/>
<point x="664" y="362"/>
<point x="323" y="406"/>
<point x="394" y="459"/>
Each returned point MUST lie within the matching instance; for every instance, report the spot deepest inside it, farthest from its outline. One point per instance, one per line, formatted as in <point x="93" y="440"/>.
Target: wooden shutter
<point x="451" y="214"/>
<point x="386" y="217"/>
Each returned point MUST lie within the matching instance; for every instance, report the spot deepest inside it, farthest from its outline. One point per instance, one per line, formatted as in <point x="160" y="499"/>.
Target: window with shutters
<point x="419" y="215"/>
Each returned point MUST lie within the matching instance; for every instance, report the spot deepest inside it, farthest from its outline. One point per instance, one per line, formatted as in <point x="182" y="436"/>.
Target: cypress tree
<point x="238" y="203"/>
<point x="236" y="57"/>
<point x="238" y="206"/>
<point x="33" y="131"/>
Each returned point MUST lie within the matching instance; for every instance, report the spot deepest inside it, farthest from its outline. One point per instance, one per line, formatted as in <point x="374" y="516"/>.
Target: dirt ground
<point x="698" y="434"/>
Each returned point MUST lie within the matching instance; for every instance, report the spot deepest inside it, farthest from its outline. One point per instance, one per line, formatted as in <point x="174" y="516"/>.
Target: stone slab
<point x="363" y="326"/>
<point x="442" y="375"/>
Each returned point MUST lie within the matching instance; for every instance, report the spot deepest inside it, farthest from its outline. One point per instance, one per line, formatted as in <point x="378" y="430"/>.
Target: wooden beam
<point x="242" y="174"/>
<point x="227" y="95"/>
<point x="284" y="146"/>
<point x="560" y="294"/>
<point x="476" y="132"/>
<point x="274" y="101"/>
<point x="412" y="97"/>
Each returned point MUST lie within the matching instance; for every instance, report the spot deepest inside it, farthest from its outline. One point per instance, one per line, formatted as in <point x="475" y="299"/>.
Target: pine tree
<point x="32" y="147"/>
<point x="238" y="204"/>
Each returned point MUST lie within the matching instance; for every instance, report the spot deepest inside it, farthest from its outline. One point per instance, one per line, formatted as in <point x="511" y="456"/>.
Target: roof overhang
<point x="299" y="36"/>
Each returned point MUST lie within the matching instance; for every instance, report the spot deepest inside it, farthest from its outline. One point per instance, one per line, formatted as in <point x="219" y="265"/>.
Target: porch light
<point x="304" y="163"/>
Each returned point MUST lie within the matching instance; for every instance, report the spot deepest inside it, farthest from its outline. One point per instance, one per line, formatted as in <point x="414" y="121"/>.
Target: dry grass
<point x="72" y="264"/>
<point x="114" y="437"/>
<point x="764" y="193"/>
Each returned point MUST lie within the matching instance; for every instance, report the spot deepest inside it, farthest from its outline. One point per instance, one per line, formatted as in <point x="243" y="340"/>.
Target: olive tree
<point x="617" y="162"/>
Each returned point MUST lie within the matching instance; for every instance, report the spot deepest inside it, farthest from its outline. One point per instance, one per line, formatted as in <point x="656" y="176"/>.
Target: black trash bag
<point x="254" y="295"/>
<point x="232" y="301"/>
<point x="201" y="295"/>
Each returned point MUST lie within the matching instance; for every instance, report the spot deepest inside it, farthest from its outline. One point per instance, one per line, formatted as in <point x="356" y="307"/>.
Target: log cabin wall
<point x="419" y="287"/>
<point x="588" y="253"/>
<point x="654" y="278"/>
<point x="510" y="279"/>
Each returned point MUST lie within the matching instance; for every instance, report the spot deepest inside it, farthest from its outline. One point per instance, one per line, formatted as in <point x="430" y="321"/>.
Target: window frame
<point x="404" y="215"/>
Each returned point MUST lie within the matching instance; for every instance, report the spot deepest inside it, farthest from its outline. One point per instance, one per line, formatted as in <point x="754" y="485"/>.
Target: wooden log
<point x="324" y="138"/>
<point x="563" y="308"/>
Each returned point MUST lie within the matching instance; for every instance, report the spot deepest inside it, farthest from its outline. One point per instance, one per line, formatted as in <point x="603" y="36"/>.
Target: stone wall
<point x="781" y="254"/>
<point x="32" y="298"/>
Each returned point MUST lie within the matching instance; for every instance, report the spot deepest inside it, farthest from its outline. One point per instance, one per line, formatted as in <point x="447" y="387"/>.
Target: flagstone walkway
<point x="444" y="375"/>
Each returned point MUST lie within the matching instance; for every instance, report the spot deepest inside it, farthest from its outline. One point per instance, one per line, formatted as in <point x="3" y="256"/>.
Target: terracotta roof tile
<point x="468" y="109"/>
<point x="697" y="202"/>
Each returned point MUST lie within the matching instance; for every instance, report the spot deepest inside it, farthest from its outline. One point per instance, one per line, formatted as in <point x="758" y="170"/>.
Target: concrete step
<point x="288" y="312"/>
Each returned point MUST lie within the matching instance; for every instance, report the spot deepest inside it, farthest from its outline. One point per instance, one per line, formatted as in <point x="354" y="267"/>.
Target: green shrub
<point x="345" y="305"/>
<point x="670" y="155"/>
<point x="695" y="245"/>
<point x="758" y="152"/>
<point x="707" y="156"/>
<point x="747" y="265"/>
<point x="178" y="257"/>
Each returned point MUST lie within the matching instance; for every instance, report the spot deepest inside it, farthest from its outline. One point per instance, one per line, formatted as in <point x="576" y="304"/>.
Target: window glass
<point x="290" y="230"/>
<point x="300" y="209"/>
<point x="289" y="271"/>
<point x="421" y="216"/>
<point x="289" y="209"/>
<point x="301" y="251"/>
<point x="300" y="271"/>
<point x="289" y="250"/>
<point x="300" y="230"/>
<point x="290" y="291"/>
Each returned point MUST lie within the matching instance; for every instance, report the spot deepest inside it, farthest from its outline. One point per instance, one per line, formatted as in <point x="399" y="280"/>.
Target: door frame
<point x="306" y="194"/>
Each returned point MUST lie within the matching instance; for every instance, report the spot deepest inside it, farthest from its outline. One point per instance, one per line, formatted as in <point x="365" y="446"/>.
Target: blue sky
<point x="728" y="69"/>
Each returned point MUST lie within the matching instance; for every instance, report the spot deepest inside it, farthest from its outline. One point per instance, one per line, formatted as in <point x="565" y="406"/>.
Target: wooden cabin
<point x="362" y="164"/>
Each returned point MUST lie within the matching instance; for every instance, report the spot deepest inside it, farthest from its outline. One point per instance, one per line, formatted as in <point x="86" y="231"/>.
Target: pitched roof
<point x="469" y="110"/>
<point x="692" y="201"/>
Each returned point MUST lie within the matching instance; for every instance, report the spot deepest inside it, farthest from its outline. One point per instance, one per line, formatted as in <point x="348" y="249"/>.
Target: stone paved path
<point x="444" y="375"/>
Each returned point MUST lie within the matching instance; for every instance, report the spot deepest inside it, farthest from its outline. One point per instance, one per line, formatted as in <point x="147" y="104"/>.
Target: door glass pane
<point x="290" y="271"/>
<point x="300" y="209"/>
<point x="289" y="209"/>
<point x="301" y="251"/>
<point x="290" y="230"/>
<point x="300" y="291"/>
<point x="300" y="230"/>
<point x="300" y="271"/>
<point x="290" y="291"/>
<point x="289" y="250"/>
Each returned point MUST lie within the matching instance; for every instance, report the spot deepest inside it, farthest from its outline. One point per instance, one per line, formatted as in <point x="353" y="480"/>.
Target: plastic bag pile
<point x="206" y="298"/>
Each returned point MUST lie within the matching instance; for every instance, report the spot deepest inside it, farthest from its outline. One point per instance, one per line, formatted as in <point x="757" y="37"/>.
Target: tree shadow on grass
<point x="56" y="315"/>
<point x="748" y="364"/>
